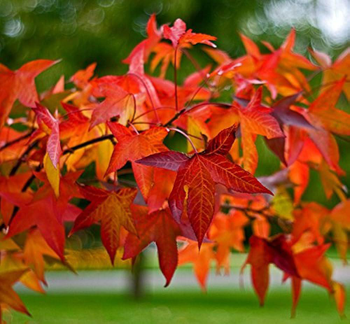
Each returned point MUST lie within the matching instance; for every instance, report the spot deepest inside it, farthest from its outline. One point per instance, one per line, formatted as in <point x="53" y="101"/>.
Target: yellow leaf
<point x="282" y="204"/>
<point x="104" y="154"/>
<point x="53" y="175"/>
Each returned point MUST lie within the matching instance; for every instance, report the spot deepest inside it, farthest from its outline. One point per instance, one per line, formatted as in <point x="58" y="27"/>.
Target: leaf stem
<point x="149" y="111"/>
<point x="186" y="136"/>
<point x="175" y="79"/>
<point x="187" y="109"/>
<point x="196" y="66"/>
<point x="148" y="94"/>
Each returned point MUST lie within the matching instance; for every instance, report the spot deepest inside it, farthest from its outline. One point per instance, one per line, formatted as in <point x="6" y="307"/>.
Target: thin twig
<point x="148" y="93"/>
<point x="175" y="80"/>
<point x="185" y="110"/>
<point x="16" y="140"/>
<point x="22" y="158"/>
<point x="87" y="143"/>
<point x="185" y="135"/>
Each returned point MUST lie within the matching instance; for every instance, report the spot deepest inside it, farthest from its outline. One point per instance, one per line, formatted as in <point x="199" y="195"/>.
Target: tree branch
<point x="87" y="143"/>
<point x="8" y="144"/>
<point x="22" y="158"/>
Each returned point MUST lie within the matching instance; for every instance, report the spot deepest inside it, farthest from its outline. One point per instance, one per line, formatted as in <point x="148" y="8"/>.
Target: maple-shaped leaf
<point x="51" y="159"/>
<point x="323" y="112"/>
<point x="16" y="149"/>
<point x="201" y="260"/>
<point x="158" y="227"/>
<point x="311" y="219"/>
<point x="14" y="262"/>
<point x="330" y="182"/>
<point x="194" y="188"/>
<point x="33" y="253"/>
<point x="228" y="232"/>
<point x="117" y="102"/>
<point x="131" y="147"/>
<point x="289" y="57"/>
<point x="43" y="210"/>
<point x="340" y="214"/>
<point x="179" y="36"/>
<point x="262" y="253"/>
<point x="285" y="115"/>
<point x="294" y="120"/>
<point x="313" y="266"/>
<point x="147" y="45"/>
<point x="255" y="119"/>
<point x="336" y="71"/>
<point x="112" y="209"/>
<point x="20" y="85"/>
<point x="76" y="125"/>
<point x="259" y="259"/>
<point x="81" y="78"/>
<point x="161" y="189"/>
<point x="340" y="220"/>
<point x="164" y="55"/>
<point x="7" y="295"/>
<point x="11" y="184"/>
<point x="40" y="213"/>
<point x="53" y="144"/>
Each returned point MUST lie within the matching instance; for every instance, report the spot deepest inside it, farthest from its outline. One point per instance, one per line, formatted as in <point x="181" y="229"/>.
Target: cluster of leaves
<point x="194" y="205"/>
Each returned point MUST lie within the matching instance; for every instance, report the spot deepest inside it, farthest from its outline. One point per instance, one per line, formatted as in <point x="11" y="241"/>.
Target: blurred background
<point x="104" y="31"/>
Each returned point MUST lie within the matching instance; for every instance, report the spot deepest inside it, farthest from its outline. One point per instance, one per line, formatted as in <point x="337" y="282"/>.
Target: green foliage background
<point x="104" y="31"/>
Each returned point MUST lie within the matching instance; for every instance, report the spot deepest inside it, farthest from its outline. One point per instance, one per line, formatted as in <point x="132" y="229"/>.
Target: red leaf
<point x="131" y="147"/>
<point x="20" y="85"/>
<point x="7" y="295"/>
<point x="222" y="143"/>
<point x="156" y="227"/>
<point x="194" y="188"/>
<point x="53" y="144"/>
<point x="112" y="209"/>
<point x="178" y="35"/>
<point x="118" y="102"/>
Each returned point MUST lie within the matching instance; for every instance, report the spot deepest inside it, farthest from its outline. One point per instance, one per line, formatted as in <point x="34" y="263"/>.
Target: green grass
<point x="180" y="307"/>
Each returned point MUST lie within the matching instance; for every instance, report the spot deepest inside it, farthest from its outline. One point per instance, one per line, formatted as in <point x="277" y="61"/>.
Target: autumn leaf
<point x="53" y="147"/>
<point x="179" y="35"/>
<point x="313" y="266"/>
<point x="323" y="112"/>
<point x="196" y="177"/>
<point x="255" y="119"/>
<point x="20" y="85"/>
<point x="201" y="260"/>
<point x="158" y="227"/>
<point x="118" y="102"/>
<point x="33" y="253"/>
<point x="333" y="72"/>
<point x="148" y="45"/>
<point x="43" y="210"/>
<point x="11" y="184"/>
<point x="228" y="233"/>
<point x="81" y="78"/>
<point x="259" y="258"/>
<point x="30" y="214"/>
<point x="131" y="147"/>
<point x="112" y="209"/>
<point x="7" y="295"/>
<point x="53" y="144"/>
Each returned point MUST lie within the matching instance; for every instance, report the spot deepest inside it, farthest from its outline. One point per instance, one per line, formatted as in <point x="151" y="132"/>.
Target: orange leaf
<point x="112" y="209"/>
